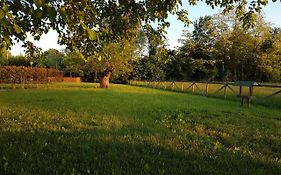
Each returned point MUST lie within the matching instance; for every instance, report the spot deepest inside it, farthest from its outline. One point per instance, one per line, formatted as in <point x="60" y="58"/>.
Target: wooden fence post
<point x="224" y="91"/>
<point x="251" y="90"/>
<point x="193" y="87"/>
<point x="207" y="89"/>
<point x="182" y="87"/>
<point x="240" y="90"/>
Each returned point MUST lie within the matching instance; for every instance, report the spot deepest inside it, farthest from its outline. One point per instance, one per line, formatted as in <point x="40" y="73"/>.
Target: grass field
<point x="258" y="98"/>
<point x="81" y="129"/>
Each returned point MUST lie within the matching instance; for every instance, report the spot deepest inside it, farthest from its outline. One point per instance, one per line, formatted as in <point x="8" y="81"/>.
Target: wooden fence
<point x="245" y="91"/>
<point x="72" y="79"/>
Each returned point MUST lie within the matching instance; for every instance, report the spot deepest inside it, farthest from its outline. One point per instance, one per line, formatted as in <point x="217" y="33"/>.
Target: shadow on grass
<point x="103" y="152"/>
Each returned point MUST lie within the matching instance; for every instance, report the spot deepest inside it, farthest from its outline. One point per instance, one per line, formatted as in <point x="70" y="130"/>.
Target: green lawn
<point x="80" y="129"/>
<point x="259" y="92"/>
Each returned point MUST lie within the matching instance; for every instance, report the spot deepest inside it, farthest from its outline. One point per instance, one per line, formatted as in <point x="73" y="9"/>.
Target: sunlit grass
<point x="258" y="94"/>
<point x="81" y="129"/>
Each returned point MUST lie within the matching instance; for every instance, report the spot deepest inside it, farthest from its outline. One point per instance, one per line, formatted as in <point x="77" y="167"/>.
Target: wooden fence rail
<point x="203" y="88"/>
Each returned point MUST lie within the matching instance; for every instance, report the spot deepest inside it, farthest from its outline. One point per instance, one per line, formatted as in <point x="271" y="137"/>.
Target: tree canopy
<point x="88" y="25"/>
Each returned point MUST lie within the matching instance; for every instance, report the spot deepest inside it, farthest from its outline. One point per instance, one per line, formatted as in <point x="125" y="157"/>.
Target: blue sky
<point x="272" y="13"/>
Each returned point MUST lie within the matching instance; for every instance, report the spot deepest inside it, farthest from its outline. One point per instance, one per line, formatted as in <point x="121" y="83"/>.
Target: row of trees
<point x="218" y="49"/>
<point x="73" y="64"/>
<point x="88" y="28"/>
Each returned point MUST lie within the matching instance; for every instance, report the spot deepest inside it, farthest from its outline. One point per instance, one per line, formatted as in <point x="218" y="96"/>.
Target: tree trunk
<point x="104" y="79"/>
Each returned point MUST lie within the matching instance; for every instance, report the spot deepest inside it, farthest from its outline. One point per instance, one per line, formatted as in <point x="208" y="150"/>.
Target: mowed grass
<point x="258" y="97"/>
<point x="80" y="129"/>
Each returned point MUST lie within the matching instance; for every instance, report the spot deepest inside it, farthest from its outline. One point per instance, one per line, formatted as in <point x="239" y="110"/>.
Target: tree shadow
<point x="81" y="146"/>
<point x="113" y="152"/>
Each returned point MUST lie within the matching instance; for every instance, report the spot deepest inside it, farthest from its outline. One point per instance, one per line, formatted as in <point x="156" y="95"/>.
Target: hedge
<point x="27" y="75"/>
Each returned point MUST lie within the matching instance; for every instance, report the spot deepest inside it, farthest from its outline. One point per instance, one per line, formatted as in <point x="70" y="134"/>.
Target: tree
<point x="219" y="47"/>
<point x="52" y="58"/>
<point x="115" y="57"/>
<point x="87" y="26"/>
<point x="240" y="50"/>
<point x="90" y="23"/>
<point x="32" y="53"/>
<point x="270" y="62"/>
<point x="73" y="64"/>
<point x="152" y="67"/>
<point x="203" y="38"/>
<point x="82" y="25"/>
<point x="179" y="67"/>
<point x="148" y="68"/>
<point x="3" y="57"/>
<point x="196" y="56"/>
<point x="17" y="61"/>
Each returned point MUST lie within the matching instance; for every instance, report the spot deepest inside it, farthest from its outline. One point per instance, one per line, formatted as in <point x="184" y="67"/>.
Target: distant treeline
<point x="218" y="49"/>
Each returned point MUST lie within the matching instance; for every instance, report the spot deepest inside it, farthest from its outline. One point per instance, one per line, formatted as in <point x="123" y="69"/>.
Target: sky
<point x="272" y="14"/>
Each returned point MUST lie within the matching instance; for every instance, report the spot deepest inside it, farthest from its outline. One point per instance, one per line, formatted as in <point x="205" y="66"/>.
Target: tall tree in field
<point x="52" y="58"/>
<point x="73" y="64"/>
<point x="270" y="62"/>
<point x="246" y="54"/>
<point x="198" y="49"/>
<point x="220" y="43"/>
<point x="115" y="57"/>
<point x="203" y="37"/>
<point x="199" y="44"/>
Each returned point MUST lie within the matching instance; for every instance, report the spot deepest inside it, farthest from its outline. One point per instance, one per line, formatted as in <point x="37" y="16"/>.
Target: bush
<point x="25" y="75"/>
<point x="17" y="61"/>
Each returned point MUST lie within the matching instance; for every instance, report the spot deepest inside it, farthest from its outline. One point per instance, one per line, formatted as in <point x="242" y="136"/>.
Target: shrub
<point x="26" y="75"/>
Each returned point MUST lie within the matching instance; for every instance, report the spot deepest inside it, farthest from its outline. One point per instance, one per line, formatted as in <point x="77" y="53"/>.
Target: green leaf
<point x="10" y="16"/>
<point x="3" y="47"/>
<point x="38" y="13"/>
<point x="7" y="40"/>
<point x="91" y="34"/>
<point x="52" y="14"/>
<point x="82" y="56"/>
<point x="2" y="14"/>
<point x="17" y="29"/>
<point x="5" y="8"/>
<point x="38" y="3"/>
<point x="99" y="58"/>
<point x="83" y="25"/>
<point x="264" y="2"/>
<point x="6" y="164"/>
<point x="63" y="13"/>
